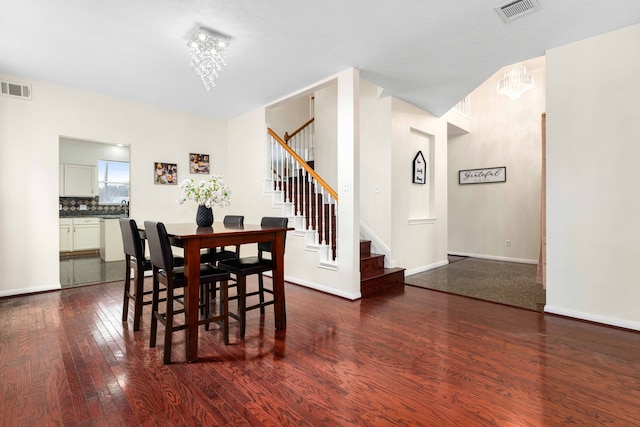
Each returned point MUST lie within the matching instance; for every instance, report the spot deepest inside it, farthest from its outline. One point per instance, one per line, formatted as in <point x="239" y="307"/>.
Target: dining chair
<point x="133" y="244"/>
<point x="165" y="272"/>
<point x="214" y="255"/>
<point x="247" y="266"/>
<point x="135" y="260"/>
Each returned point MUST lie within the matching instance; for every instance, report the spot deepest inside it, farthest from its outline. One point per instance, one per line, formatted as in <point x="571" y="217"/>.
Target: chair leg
<point x="138" y="278"/>
<point x="207" y="301"/>
<point x="154" y="310"/>
<point x="261" y="292"/>
<point x="168" y="326"/>
<point x="224" y="309"/>
<point x="242" y="303"/>
<point x="127" y="288"/>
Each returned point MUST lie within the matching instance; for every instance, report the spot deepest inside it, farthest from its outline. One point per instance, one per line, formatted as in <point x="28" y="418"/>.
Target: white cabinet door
<point x="66" y="241"/>
<point x="80" y="181"/>
<point x="86" y="234"/>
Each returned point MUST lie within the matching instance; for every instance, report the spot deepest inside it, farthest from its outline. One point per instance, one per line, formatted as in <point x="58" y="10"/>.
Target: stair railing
<point x="312" y="202"/>
<point x="302" y="141"/>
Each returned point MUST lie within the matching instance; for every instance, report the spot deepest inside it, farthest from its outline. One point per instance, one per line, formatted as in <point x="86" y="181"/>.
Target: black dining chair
<point x="165" y="272"/>
<point x="135" y="260"/>
<point x="243" y="267"/>
<point x="214" y="255"/>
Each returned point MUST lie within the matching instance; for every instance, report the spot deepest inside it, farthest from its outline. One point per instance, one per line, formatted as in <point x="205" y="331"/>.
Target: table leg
<point x="278" y="281"/>
<point x="192" y="296"/>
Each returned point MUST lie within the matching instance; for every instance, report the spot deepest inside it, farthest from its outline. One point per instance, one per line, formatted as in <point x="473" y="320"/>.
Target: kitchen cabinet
<point x="111" y="248"/>
<point x="78" y="180"/>
<point x="79" y="234"/>
<point x="66" y="235"/>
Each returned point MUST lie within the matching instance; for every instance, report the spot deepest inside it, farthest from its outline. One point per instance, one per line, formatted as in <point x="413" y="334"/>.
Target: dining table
<point x="192" y="238"/>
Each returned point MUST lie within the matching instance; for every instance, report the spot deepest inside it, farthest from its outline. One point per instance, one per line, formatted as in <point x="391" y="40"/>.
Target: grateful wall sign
<point x="482" y="176"/>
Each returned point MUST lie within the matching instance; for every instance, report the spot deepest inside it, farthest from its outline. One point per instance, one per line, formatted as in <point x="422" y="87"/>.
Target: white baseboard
<point x="321" y="288"/>
<point x="592" y="317"/>
<point x="44" y="288"/>
<point x="496" y="258"/>
<point x="425" y="268"/>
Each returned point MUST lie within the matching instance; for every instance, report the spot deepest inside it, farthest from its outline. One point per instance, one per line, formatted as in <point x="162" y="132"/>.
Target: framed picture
<point x="198" y="163"/>
<point x="482" y="176"/>
<point x="419" y="169"/>
<point x="165" y="173"/>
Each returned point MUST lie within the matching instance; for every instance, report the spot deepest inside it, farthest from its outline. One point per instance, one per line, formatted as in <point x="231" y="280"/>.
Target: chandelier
<point x="207" y="55"/>
<point x="515" y="82"/>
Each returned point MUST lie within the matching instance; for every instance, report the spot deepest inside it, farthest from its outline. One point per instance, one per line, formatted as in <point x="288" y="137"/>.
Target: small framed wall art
<point x="482" y="176"/>
<point x="165" y="173"/>
<point x="419" y="169"/>
<point x="198" y="163"/>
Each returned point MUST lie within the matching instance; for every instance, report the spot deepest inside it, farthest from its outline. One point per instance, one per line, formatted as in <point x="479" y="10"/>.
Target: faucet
<point x="125" y="204"/>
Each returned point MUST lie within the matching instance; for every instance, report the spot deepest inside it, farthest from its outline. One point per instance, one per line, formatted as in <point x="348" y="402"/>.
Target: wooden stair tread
<point x="374" y="277"/>
<point x="385" y="272"/>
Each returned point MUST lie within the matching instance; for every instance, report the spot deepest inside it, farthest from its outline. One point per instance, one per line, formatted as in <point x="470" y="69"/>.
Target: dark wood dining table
<point x="192" y="238"/>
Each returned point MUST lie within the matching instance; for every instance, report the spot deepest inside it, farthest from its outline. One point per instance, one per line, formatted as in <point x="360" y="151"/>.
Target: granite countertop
<point x="95" y="216"/>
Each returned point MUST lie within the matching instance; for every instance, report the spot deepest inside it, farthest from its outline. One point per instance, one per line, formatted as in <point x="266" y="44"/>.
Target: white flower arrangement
<point x="209" y="193"/>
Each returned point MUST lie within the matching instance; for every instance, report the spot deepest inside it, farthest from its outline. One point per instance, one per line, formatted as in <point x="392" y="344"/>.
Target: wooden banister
<point x="304" y="164"/>
<point x="287" y="137"/>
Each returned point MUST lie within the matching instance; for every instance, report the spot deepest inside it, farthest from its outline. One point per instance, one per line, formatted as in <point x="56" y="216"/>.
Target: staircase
<point x="312" y="206"/>
<point x="374" y="278"/>
<point x="311" y="209"/>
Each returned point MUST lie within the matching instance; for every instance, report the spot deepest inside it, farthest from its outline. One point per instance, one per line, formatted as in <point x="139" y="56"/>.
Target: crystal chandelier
<point x="207" y="55"/>
<point x="515" y="82"/>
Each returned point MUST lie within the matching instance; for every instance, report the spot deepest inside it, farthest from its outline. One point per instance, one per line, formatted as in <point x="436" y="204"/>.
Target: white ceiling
<point x="428" y="53"/>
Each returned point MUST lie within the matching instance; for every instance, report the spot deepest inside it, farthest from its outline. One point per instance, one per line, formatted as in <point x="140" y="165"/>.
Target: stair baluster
<point x="311" y="202"/>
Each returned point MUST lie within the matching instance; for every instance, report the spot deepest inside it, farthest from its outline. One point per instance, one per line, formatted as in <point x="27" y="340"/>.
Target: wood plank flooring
<point x="414" y="358"/>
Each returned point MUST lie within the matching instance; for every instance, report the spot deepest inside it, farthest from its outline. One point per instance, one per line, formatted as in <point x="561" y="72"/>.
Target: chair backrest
<point x="271" y="221"/>
<point x="131" y="241"/>
<point x="159" y="245"/>
<point x="233" y="220"/>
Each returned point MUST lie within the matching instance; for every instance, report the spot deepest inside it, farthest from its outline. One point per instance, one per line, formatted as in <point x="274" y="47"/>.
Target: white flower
<point x="209" y="193"/>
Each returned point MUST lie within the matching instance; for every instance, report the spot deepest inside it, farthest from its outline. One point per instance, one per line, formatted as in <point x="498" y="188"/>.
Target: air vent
<point x="517" y="9"/>
<point x="17" y="90"/>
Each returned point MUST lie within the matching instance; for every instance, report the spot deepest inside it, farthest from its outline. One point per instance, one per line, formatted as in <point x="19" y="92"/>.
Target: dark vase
<point x="204" y="217"/>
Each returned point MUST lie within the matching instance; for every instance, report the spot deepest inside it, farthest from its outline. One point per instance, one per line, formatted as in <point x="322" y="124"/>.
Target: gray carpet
<point x="498" y="281"/>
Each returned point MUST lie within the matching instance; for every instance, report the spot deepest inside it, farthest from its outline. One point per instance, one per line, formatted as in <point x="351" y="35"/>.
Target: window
<point x="113" y="182"/>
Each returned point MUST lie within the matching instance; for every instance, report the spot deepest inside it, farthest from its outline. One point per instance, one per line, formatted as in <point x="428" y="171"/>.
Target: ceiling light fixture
<point x="207" y="54"/>
<point x="515" y="82"/>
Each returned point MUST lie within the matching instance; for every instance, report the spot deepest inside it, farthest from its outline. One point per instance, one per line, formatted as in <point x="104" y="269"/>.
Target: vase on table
<point x="204" y="216"/>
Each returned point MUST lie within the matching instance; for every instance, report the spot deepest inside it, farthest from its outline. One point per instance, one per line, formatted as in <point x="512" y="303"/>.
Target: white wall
<point x="77" y="152"/>
<point x="29" y="149"/>
<point x="593" y="134"/>
<point x="375" y="168"/>
<point x="326" y="134"/>
<point x="290" y="115"/>
<point x="482" y="217"/>
<point x="419" y="242"/>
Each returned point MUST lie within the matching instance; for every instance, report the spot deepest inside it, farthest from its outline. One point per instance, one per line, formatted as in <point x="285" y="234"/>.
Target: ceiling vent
<point x="517" y="9"/>
<point x="16" y="90"/>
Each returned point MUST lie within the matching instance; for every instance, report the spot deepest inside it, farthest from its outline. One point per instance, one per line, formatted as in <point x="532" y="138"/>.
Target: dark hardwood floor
<point x="418" y="357"/>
